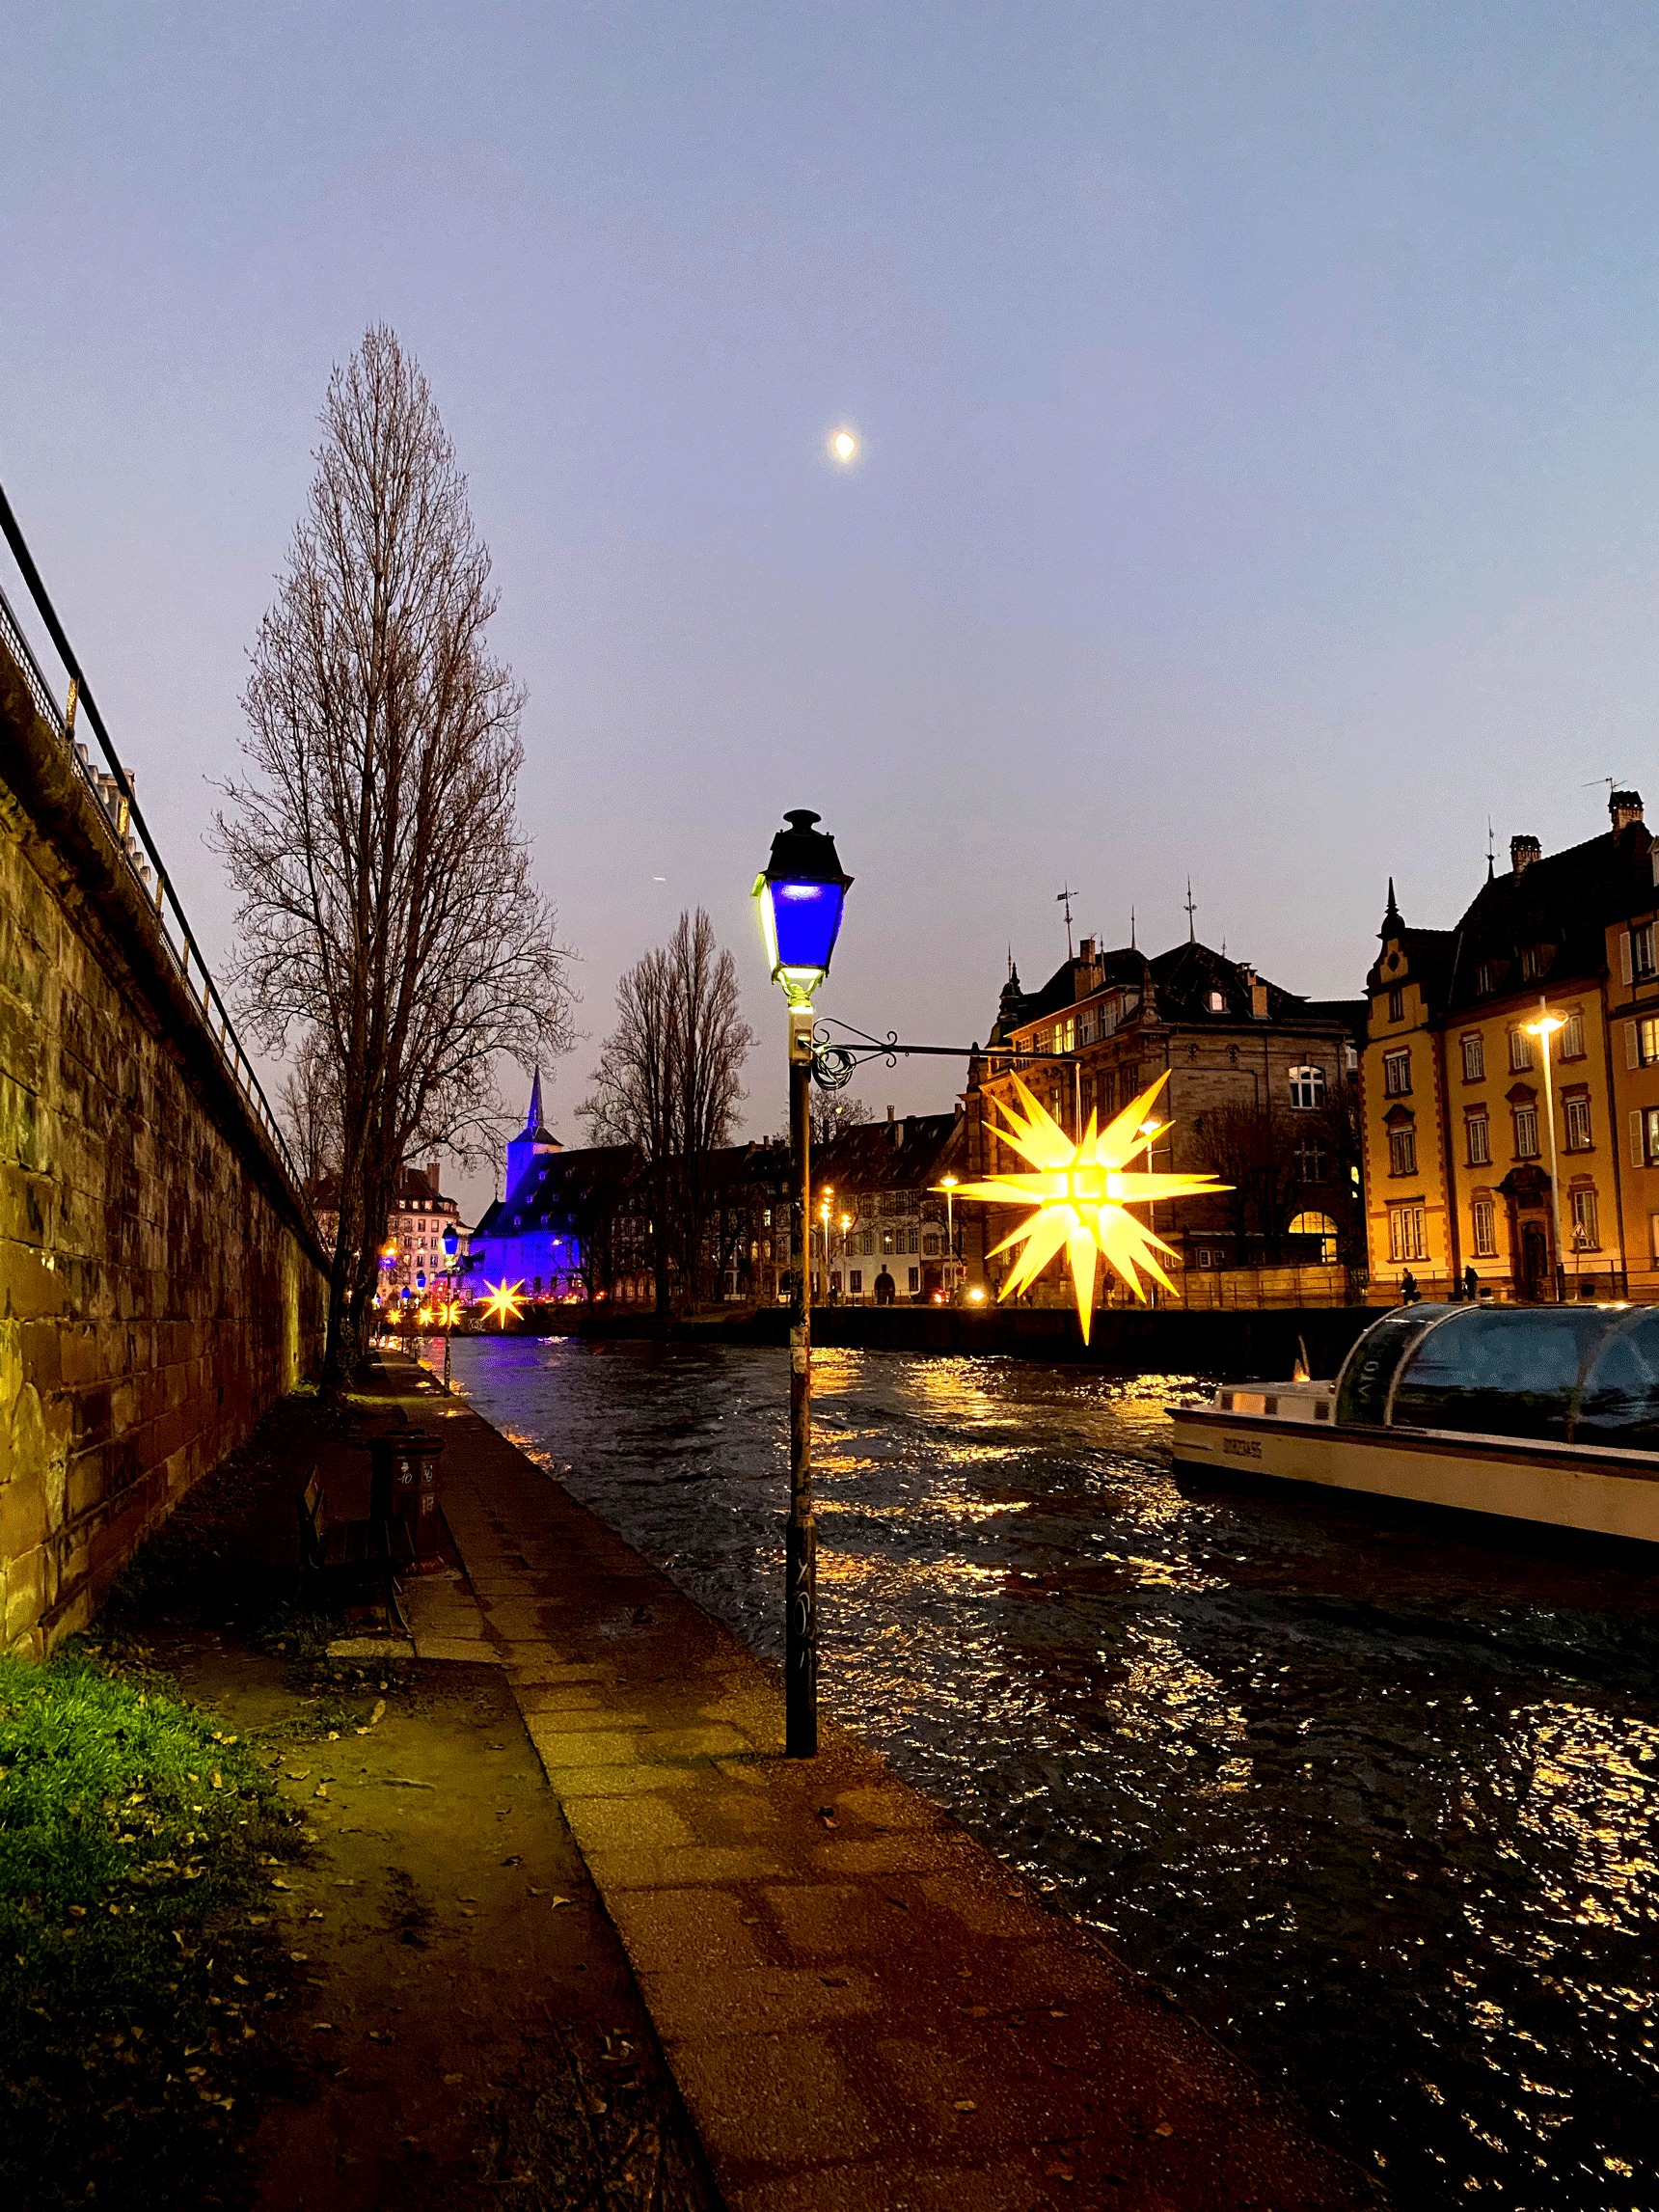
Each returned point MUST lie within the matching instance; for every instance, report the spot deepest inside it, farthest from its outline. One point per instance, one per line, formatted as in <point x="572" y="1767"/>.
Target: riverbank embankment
<point x="860" y="2003"/>
<point x="1234" y="1344"/>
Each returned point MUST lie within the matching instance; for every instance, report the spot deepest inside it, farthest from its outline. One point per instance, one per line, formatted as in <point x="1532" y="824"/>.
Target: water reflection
<point x="1375" y="1791"/>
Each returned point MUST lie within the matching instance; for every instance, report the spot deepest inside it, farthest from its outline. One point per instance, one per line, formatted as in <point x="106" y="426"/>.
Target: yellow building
<point x="1481" y="1153"/>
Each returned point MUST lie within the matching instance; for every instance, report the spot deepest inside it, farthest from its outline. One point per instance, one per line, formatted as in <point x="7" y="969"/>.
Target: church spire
<point x="533" y="1120"/>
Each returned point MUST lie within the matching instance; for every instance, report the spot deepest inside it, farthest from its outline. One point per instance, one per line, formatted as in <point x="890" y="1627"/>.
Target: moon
<point x="844" y="447"/>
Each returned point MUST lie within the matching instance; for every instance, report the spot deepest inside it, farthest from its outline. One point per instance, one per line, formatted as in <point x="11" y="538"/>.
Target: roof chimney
<point x="1523" y="852"/>
<point x="432" y="1167"/>
<point x="1625" y="807"/>
<point x="1086" y="950"/>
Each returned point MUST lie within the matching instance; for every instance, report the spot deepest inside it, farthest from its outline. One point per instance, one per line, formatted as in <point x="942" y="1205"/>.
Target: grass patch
<point x="140" y="1965"/>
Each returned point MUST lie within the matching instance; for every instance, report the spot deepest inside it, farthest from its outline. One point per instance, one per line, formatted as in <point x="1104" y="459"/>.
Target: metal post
<point x="801" y="1557"/>
<point x="1558" y="1271"/>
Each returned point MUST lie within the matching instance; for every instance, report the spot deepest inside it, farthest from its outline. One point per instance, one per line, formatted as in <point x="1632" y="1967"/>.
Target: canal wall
<point x="1134" y="1340"/>
<point x="159" y="1282"/>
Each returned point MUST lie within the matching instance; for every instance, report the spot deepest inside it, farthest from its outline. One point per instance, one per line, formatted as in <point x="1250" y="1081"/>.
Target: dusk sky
<point x="1261" y="421"/>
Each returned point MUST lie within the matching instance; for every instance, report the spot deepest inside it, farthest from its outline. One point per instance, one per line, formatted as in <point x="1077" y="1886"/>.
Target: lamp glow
<point x="504" y="1303"/>
<point x="844" y="447"/>
<point x="1079" y="1192"/>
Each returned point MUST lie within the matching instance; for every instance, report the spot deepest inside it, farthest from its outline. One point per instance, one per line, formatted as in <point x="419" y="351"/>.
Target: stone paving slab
<point x="864" y="2007"/>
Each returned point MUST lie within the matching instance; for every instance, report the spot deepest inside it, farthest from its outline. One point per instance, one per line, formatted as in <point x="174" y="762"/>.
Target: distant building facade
<point x="1263" y="1088"/>
<point x="1471" y="1156"/>
<point x="880" y="1206"/>
<point x="416" y="1226"/>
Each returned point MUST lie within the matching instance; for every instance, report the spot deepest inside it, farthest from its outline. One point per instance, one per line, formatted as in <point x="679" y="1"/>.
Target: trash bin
<point x="404" y="1487"/>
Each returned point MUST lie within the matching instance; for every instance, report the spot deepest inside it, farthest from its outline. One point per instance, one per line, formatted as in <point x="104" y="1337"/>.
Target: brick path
<point x="864" y="2009"/>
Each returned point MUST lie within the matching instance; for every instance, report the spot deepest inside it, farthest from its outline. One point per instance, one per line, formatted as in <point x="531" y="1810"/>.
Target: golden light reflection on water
<point x="1377" y="1795"/>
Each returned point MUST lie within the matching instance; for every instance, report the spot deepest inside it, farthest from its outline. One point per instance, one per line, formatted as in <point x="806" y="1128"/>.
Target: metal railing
<point x="112" y="788"/>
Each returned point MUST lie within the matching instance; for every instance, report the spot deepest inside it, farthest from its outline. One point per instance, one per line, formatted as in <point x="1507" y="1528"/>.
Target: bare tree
<point x="1254" y="1151"/>
<point x="667" y="1083"/>
<point x="833" y="1111"/>
<point x="388" y="910"/>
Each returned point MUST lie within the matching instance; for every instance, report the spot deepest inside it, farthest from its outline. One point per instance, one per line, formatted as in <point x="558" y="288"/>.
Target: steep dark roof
<point x="1174" y="986"/>
<point x="904" y="1154"/>
<point x="557" y="1189"/>
<point x="1557" y="907"/>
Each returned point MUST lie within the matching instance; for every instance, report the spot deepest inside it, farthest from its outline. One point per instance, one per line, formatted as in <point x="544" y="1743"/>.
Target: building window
<point x="1646" y="1035"/>
<point x="1396" y="1004"/>
<point x="1526" y="1132"/>
<point x="1313" y="1161"/>
<point x="1585" y="1227"/>
<point x="1571" y="1045"/>
<point x="1396" y="1074"/>
<point x="915" y="1276"/>
<point x="1217" y="1002"/>
<point x="1480" y="1134"/>
<point x="1485" y="1215"/>
<point x="1402" y="1152"/>
<point x="856" y="1281"/>
<point x="1645" y="1129"/>
<point x="1485" y="980"/>
<point x="1575" y="1110"/>
<point x="1307" y="1087"/>
<point x="932" y="1246"/>
<point x="1642" y="951"/>
<point x="1474" y="1059"/>
<point x="1406" y="1232"/>
<point x="1085" y="1030"/>
<point x="1534" y="959"/>
<point x="1520" y="1051"/>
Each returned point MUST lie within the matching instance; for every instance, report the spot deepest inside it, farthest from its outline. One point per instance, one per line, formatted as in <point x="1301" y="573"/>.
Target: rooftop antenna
<point x="1133" y="947"/>
<point x="1191" y="909"/>
<point x="1491" y="852"/>
<point x="1065" y="898"/>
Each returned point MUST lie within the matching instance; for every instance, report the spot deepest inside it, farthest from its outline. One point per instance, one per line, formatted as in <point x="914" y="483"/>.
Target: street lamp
<point x="800" y="893"/>
<point x="1544" y="1028"/>
<point x="451" y="1245"/>
<point x="947" y="1184"/>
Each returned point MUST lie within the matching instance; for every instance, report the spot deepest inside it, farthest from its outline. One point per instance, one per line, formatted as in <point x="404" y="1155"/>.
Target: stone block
<point x="679" y="1868"/>
<point x="782" y="2102"/>
<point x="664" y="1929"/>
<point x="689" y="2002"/>
<point x="640" y="1821"/>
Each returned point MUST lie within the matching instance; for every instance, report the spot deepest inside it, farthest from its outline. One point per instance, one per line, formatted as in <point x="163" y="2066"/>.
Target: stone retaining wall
<point x="159" y="1285"/>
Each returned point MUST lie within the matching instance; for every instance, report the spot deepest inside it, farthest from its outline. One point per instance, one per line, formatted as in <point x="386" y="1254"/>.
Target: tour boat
<point x="1541" y="1413"/>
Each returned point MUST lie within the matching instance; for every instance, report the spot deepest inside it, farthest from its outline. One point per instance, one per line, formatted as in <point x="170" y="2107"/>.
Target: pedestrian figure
<point x="884" y="1287"/>
<point x="1471" y="1284"/>
<point x="1408" y="1291"/>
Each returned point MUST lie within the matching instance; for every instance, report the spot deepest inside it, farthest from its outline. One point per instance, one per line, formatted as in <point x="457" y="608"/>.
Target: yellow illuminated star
<point x="504" y="1303"/>
<point x="1080" y="1192"/>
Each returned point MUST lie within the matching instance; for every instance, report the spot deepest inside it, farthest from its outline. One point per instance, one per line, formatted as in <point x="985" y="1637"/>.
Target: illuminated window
<point x="1485" y="1220"/>
<point x="1575" y="1110"/>
<point x="1217" y="1002"/>
<point x="1307" y="1087"/>
<point x="1520" y="1051"/>
<point x="1585" y="1225"/>
<point x="1474" y="1058"/>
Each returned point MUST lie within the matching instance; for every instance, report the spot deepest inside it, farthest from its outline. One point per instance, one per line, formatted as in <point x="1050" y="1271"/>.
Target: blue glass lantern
<point x="452" y="1243"/>
<point x="800" y="896"/>
<point x="420" y="1282"/>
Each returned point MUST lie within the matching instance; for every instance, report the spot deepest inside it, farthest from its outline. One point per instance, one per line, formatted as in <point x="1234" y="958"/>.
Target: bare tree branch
<point x="388" y="907"/>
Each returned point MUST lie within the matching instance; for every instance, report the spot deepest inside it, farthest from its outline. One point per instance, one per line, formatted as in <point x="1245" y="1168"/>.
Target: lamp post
<point x="1544" y="1028"/>
<point x="800" y="893"/>
<point x="451" y="1245"/>
<point x="947" y="1184"/>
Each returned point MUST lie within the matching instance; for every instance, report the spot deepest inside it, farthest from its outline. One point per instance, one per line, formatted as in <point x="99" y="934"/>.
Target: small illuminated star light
<point x="844" y="447"/>
<point x="1080" y="1192"/>
<point x="504" y="1303"/>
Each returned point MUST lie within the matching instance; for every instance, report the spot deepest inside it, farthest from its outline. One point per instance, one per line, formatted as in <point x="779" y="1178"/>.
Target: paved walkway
<point x="864" y="2007"/>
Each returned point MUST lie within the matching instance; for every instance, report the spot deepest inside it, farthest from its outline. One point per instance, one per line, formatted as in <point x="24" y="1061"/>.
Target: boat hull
<point x="1567" y="1486"/>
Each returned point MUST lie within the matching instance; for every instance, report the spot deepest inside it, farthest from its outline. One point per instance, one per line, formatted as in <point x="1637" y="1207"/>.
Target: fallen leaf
<point x="535" y="1892"/>
<point x="452" y="2080"/>
<point x="278" y="1883"/>
<point x="1163" y="2127"/>
<point x="517" y="1860"/>
<point x="379" y="1711"/>
<point x="833" y="1980"/>
<point x="320" y="2026"/>
<point x="827" y="1814"/>
<point x="558" y="1902"/>
<point x="300" y="1958"/>
<point x="321" y="1789"/>
<point x="966" y="2104"/>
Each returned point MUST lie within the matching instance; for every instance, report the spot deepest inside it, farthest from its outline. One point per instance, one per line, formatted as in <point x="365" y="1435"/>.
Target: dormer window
<point x="1217" y="1002"/>
<point x="1534" y="959"/>
<point x="1485" y="977"/>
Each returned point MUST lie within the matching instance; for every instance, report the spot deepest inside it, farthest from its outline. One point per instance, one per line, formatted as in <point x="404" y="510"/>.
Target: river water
<point x="1374" y="1790"/>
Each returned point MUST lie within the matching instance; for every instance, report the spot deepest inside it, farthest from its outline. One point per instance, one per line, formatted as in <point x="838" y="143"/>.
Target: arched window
<point x="1318" y="1225"/>
<point x="1307" y="1087"/>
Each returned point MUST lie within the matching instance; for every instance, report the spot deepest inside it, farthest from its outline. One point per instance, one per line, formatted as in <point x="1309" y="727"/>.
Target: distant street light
<point x="800" y="893"/>
<point x="947" y="1184"/>
<point x="1544" y="1028"/>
